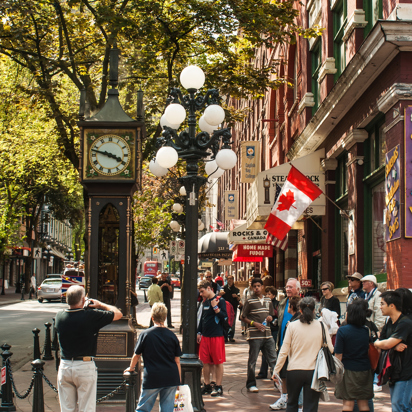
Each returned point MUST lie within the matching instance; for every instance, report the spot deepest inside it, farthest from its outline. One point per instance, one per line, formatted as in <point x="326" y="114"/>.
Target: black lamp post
<point x="193" y="148"/>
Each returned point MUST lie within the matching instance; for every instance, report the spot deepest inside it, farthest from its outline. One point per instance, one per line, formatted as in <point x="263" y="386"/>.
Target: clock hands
<point x="113" y="156"/>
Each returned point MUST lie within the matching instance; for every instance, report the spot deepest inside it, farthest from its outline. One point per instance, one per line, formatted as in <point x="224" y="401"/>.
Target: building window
<point x="342" y="176"/>
<point x="295" y="76"/>
<point x="339" y="21"/>
<point x="375" y="244"/>
<point x="316" y="63"/>
<point x="373" y="12"/>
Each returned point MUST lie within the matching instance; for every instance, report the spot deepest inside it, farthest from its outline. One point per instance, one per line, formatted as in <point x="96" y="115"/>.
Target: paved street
<point x="236" y="397"/>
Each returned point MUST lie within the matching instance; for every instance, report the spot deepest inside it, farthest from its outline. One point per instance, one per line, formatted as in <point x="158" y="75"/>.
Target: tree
<point x="33" y="171"/>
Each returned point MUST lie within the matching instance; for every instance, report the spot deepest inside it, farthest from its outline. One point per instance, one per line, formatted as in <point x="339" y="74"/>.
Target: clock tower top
<point x="111" y="141"/>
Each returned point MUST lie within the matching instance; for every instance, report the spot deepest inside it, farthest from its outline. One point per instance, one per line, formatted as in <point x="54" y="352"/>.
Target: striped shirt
<point x="253" y="309"/>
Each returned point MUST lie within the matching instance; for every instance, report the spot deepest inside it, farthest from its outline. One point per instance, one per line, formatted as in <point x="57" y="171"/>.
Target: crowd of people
<point x="288" y="333"/>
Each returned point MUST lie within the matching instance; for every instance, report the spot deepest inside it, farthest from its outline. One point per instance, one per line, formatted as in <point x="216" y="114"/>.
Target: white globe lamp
<point x="213" y="170"/>
<point x="175" y="113"/>
<point x="164" y="122"/>
<point x="177" y="207"/>
<point x="192" y="77"/>
<point x="156" y="169"/>
<point x="204" y="126"/>
<point x="174" y="225"/>
<point x="226" y="159"/>
<point x="214" y="114"/>
<point x="167" y="157"/>
<point x="201" y="227"/>
<point x="182" y="191"/>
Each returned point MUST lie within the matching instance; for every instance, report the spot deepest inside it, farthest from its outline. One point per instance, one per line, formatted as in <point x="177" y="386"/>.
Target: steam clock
<point x="110" y="171"/>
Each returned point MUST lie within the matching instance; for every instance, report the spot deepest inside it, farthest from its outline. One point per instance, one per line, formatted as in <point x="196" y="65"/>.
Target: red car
<point x="175" y="281"/>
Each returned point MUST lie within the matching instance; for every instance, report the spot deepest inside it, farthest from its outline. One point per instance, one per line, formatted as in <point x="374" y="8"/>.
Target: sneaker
<point x="377" y="388"/>
<point x="253" y="389"/>
<point x="206" y="389"/>
<point x="278" y="405"/>
<point x="231" y="340"/>
<point x="217" y="391"/>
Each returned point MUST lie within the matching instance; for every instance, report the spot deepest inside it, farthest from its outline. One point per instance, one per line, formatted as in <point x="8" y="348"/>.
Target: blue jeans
<point x="166" y="401"/>
<point x="401" y="396"/>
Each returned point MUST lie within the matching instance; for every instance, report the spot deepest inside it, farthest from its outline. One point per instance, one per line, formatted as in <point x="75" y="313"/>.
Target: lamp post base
<point x="191" y="375"/>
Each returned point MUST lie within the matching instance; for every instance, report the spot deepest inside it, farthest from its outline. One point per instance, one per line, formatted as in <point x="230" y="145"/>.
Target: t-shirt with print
<point x="401" y="329"/>
<point x="258" y="310"/>
<point x="159" y="348"/>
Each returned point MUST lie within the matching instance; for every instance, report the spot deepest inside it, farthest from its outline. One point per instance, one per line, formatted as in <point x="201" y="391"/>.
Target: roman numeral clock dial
<point x="109" y="155"/>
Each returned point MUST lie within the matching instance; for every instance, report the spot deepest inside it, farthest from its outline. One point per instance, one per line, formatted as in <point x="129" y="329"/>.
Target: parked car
<point x="50" y="289"/>
<point x="175" y="281"/>
<point x="145" y="282"/>
<point x="54" y="276"/>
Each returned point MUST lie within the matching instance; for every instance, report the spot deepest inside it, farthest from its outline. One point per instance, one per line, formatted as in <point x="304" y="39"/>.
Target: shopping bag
<point x="183" y="399"/>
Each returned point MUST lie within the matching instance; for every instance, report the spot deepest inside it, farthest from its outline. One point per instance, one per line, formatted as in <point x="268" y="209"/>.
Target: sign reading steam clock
<point x="110" y="171"/>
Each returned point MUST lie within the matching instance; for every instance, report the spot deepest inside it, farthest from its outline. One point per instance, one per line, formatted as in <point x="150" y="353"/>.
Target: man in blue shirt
<point x="355" y="287"/>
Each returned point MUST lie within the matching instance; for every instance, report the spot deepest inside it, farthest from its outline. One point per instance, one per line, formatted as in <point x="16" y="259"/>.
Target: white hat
<point x="370" y="278"/>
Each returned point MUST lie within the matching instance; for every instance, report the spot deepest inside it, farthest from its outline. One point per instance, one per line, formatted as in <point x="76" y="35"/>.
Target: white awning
<point x="261" y="195"/>
<point x="55" y="252"/>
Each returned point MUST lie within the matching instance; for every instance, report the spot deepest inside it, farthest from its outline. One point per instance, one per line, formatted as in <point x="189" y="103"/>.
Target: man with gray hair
<point x="77" y="329"/>
<point x="292" y="289"/>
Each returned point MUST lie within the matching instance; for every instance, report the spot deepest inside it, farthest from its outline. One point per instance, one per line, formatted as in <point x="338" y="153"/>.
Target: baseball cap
<point x="370" y="278"/>
<point x="356" y="275"/>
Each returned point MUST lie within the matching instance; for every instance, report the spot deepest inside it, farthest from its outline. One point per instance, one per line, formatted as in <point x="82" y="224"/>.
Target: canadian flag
<point x="296" y="195"/>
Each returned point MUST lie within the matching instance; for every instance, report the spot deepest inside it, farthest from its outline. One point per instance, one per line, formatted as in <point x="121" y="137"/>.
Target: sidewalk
<point x="235" y="396"/>
<point x="11" y="297"/>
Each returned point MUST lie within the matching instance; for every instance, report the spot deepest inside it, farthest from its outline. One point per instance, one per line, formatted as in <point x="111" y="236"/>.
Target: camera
<point x="87" y="303"/>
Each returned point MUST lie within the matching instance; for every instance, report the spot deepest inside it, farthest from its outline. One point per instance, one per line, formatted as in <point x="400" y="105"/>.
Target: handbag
<point x="183" y="399"/>
<point x="373" y="353"/>
<point x="326" y="352"/>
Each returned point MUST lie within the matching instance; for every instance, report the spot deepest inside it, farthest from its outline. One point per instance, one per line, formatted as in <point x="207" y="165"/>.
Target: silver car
<point x="50" y="289"/>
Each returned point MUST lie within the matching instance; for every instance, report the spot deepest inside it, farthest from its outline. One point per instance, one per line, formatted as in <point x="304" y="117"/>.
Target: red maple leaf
<point x="286" y="201"/>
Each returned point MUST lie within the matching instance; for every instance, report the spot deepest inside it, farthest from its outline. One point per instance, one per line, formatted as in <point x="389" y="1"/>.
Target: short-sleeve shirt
<point x="257" y="311"/>
<point x="78" y="329"/>
<point x="165" y="290"/>
<point x="210" y="324"/>
<point x="159" y="348"/>
<point x="353" y="343"/>
<point x="401" y="329"/>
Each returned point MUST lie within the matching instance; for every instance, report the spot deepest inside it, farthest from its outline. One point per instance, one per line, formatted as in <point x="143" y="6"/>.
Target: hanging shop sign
<point x="261" y="195"/>
<point x="408" y="171"/>
<point x="392" y="194"/>
<point x="231" y="204"/>
<point x="242" y="235"/>
<point x="249" y="152"/>
<point x="253" y="250"/>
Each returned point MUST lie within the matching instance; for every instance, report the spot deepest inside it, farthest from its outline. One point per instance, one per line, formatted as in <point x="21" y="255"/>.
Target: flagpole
<point x="316" y="223"/>
<point x="342" y="210"/>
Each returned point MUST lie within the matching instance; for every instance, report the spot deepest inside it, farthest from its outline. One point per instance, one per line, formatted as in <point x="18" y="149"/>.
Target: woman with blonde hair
<point x="327" y="300"/>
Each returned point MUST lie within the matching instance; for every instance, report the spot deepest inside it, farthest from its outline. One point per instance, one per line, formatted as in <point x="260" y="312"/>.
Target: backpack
<point x="227" y="322"/>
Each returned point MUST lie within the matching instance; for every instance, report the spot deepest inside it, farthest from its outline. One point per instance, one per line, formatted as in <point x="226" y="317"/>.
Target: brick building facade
<point x="351" y="87"/>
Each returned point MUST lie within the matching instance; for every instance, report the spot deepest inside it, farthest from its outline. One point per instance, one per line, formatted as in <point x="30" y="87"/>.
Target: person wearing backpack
<point x="257" y="313"/>
<point x="231" y="294"/>
<point x="210" y="337"/>
<point x="396" y="336"/>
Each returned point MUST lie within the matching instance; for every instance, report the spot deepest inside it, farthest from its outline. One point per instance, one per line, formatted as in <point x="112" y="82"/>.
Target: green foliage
<point x="33" y="169"/>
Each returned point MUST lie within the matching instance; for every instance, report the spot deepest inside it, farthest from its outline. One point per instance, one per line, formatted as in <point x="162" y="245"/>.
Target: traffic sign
<point x="182" y="261"/>
<point x="181" y="247"/>
<point x="163" y="254"/>
<point x="37" y="252"/>
<point x="3" y="375"/>
<point x="173" y="247"/>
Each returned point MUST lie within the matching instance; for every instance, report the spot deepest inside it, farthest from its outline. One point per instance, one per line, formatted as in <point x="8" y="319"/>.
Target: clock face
<point x="109" y="155"/>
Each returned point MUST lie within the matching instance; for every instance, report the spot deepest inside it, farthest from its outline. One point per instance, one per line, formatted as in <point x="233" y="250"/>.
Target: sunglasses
<point x="208" y="277"/>
<point x="325" y="289"/>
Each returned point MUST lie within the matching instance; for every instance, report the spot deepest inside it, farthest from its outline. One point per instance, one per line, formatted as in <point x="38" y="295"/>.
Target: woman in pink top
<point x="303" y="340"/>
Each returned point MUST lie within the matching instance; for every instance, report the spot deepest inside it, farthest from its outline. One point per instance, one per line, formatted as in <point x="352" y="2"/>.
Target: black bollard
<point x="38" y="399"/>
<point x="6" y="389"/>
<point x="54" y="332"/>
<point x="47" y="343"/>
<point x="130" y="378"/>
<point x="36" y="346"/>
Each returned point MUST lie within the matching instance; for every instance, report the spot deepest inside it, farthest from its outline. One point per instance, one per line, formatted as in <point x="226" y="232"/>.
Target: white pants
<point x="77" y="384"/>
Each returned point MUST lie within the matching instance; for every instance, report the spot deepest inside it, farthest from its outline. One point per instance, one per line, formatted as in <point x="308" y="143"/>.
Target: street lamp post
<point x="193" y="148"/>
